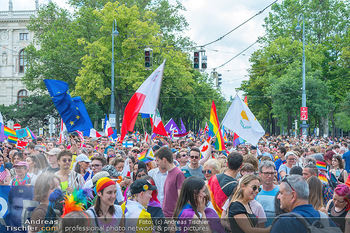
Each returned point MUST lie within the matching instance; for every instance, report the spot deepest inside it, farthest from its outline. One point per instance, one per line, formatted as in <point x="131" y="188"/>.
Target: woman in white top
<point x="106" y="215"/>
<point x="34" y="168"/>
<point x="291" y="159"/>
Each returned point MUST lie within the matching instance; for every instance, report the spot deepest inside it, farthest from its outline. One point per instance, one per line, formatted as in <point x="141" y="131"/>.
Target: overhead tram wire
<point x="220" y="38"/>
<point x="252" y="43"/>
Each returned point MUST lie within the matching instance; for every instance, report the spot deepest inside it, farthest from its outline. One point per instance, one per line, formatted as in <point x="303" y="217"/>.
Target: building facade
<point x="14" y="37"/>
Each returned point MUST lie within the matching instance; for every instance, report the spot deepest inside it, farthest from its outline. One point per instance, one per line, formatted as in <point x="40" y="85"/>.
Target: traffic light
<point x="148" y="58"/>
<point x="204" y="62"/>
<point x="196" y="60"/>
<point x="219" y="80"/>
<point x="46" y="121"/>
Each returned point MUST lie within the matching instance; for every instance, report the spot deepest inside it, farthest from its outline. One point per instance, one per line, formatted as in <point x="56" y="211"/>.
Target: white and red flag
<point x="145" y="100"/>
<point x="108" y="128"/>
<point x="158" y="126"/>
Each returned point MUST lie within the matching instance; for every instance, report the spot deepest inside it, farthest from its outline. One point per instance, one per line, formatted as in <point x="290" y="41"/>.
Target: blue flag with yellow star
<point x="65" y="105"/>
<point x="87" y="125"/>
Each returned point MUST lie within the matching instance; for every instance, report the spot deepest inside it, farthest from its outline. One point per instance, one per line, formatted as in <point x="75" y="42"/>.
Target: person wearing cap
<point x="52" y="160"/>
<point x="291" y="159"/>
<point x="82" y="165"/>
<point x="134" y="152"/>
<point x="21" y="170"/>
<point x="69" y="178"/>
<point x="134" y="209"/>
<point x="106" y="215"/>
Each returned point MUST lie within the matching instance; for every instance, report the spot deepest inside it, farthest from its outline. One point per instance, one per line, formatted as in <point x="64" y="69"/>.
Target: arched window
<point x="22" y="62"/>
<point x="20" y="97"/>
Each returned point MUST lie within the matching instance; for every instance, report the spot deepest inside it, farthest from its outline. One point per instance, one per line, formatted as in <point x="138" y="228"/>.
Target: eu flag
<point x="66" y="107"/>
<point x="87" y="125"/>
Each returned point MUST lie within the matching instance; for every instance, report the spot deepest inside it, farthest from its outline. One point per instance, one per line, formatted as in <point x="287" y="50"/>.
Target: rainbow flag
<point x="214" y="129"/>
<point x="246" y="100"/>
<point x="12" y="139"/>
<point x="146" y="156"/>
<point x="323" y="178"/>
<point x="9" y="132"/>
<point x="30" y="133"/>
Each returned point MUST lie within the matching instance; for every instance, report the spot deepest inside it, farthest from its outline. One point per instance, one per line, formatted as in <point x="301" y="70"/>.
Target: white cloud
<point x="209" y="20"/>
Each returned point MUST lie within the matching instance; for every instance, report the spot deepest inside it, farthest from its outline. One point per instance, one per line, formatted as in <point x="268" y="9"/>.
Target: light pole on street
<point x="112" y="119"/>
<point x="303" y="96"/>
<point x="114" y="33"/>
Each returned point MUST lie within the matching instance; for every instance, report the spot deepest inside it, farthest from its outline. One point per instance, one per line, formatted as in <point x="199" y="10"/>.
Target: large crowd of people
<point x="98" y="185"/>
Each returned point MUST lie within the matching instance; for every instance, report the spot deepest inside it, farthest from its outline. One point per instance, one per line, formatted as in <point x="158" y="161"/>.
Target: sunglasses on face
<point x="184" y="155"/>
<point x="194" y="157"/>
<point x="141" y="175"/>
<point x="255" y="187"/>
<point x="206" y="171"/>
<point x="26" y="154"/>
<point x="66" y="160"/>
<point x="135" y="151"/>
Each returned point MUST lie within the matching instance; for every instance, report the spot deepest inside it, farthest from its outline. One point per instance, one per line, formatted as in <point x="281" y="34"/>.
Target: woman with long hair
<point x="338" y="207"/>
<point x="34" y="168"/>
<point x="241" y="217"/>
<point x="106" y="214"/>
<point x="316" y="195"/>
<point x="82" y="165"/>
<point x="44" y="186"/>
<point x="192" y="203"/>
<point x="7" y="179"/>
<point x="338" y="169"/>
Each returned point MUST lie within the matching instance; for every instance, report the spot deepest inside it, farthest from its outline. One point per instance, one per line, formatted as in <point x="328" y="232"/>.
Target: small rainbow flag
<point x="30" y="133"/>
<point x="9" y="132"/>
<point x="323" y="178"/>
<point x="146" y="156"/>
<point x="12" y="139"/>
<point x="214" y="129"/>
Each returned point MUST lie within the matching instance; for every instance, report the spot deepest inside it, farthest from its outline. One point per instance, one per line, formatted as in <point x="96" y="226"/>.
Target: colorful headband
<point x="103" y="183"/>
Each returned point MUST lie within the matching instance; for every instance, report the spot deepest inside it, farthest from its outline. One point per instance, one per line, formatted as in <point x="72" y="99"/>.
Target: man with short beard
<point x="90" y="149"/>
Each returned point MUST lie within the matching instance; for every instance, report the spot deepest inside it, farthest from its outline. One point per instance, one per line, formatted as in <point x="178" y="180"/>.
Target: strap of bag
<point x="292" y="214"/>
<point x="229" y="183"/>
<point x="324" y="219"/>
<point x="93" y="211"/>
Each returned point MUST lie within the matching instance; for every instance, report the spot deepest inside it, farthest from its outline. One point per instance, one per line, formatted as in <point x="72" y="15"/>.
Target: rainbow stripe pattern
<point x="30" y="133"/>
<point x="214" y="129"/>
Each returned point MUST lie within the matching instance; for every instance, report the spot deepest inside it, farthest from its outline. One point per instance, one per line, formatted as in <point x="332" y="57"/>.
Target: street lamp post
<point x="114" y="33"/>
<point x="112" y="118"/>
<point x="303" y="96"/>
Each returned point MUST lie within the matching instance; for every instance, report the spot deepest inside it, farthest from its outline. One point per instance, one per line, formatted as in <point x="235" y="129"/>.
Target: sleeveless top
<point x="337" y="217"/>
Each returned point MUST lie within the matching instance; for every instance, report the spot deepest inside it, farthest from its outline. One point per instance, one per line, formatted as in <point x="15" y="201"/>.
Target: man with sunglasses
<point x="266" y="197"/>
<point x="194" y="167"/>
<point x="293" y="196"/>
<point x="69" y="178"/>
<point x="182" y="158"/>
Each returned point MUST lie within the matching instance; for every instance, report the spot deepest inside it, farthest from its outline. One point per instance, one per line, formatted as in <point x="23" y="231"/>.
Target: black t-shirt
<point x="238" y="208"/>
<point x="223" y="180"/>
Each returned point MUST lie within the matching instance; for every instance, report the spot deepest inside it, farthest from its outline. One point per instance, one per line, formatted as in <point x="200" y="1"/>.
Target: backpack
<point x="333" y="181"/>
<point x="318" y="226"/>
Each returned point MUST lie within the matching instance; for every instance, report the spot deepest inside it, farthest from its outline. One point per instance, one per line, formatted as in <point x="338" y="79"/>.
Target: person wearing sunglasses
<point x="194" y="167"/>
<point x="182" y="157"/>
<point x="69" y="178"/>
<point x="241" y="217"/>
<point x="294" y="199"/>
<point x="210" y="168"/>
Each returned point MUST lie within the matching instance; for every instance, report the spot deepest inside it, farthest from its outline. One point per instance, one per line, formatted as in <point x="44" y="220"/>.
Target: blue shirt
<point x="292" y="224"/>
<point x="346" y="157"/>
<point x="267" y="200"/>
<point x="278" y="163"/>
